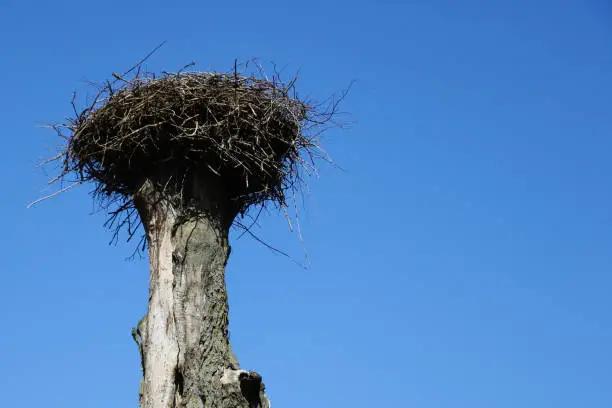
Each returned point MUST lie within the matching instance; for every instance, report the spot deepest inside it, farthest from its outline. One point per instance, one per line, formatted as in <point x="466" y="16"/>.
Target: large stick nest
<point x="250" y="133"/>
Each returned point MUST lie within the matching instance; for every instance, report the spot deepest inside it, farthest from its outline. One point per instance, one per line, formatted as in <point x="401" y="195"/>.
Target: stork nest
<point x="250" y="133"/>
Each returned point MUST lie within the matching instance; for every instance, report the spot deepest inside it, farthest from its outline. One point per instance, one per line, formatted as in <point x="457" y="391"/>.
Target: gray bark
<point x="187" y="359"/>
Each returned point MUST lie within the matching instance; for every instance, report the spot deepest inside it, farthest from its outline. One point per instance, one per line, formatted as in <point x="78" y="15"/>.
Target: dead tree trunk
<point x="188" y="152"/>
<point x="187" y="358"/>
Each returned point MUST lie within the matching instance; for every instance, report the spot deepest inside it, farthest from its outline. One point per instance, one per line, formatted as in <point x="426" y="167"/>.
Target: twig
<point x="54" y="194"/>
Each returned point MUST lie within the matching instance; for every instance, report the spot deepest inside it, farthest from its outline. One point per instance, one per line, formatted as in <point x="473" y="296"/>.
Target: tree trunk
<point x="187" y="359"/>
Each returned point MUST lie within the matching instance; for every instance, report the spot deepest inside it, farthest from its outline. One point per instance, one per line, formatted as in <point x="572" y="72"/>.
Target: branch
<point x="54" y="194"/>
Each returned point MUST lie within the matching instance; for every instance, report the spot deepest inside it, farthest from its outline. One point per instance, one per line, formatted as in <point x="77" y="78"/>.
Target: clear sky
<point x="462" y="259"/>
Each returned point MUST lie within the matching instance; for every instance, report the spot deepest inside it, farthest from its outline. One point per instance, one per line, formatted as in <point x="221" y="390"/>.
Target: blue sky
<point x="462" y="259"/>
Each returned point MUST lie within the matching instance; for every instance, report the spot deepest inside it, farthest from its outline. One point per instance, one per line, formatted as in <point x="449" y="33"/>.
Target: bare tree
<point x="186" y="155"/>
